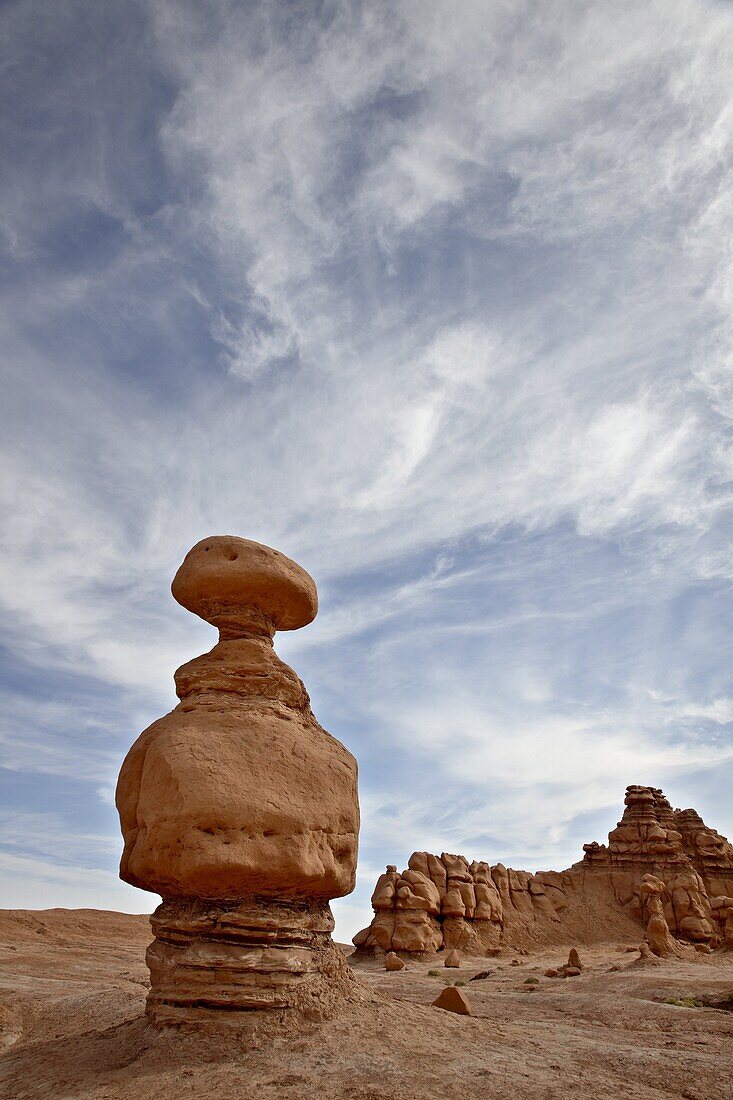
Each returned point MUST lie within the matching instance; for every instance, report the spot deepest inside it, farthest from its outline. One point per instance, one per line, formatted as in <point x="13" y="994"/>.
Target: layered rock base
<point x="242" y="956"/>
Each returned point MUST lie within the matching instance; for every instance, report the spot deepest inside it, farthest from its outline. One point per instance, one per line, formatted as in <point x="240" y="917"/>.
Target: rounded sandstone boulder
<point x="241" y="586"/>
<point x="239" y="801"/>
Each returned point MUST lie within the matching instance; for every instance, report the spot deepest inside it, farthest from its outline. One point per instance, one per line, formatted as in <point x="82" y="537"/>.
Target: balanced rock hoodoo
<point x="238" y="808"/>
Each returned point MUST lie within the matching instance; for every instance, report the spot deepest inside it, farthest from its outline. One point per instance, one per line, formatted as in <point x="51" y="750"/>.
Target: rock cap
<point x="244" y="587"/>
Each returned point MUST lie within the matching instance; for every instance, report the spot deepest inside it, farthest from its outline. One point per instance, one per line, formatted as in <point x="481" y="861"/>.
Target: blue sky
<point x="436" y="299"/>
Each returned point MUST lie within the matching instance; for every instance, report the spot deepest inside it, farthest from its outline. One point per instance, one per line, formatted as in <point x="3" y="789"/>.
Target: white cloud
<point x="43" y="832"/>
<point x="462" y="276"/>
<point x="27" y="883"/>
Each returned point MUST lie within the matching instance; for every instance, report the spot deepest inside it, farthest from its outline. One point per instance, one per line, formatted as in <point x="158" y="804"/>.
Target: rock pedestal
<point x="238" y="808"/>
<point x="252" y="955"/>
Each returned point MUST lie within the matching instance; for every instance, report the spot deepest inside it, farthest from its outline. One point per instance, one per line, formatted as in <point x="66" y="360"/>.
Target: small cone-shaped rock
<point x="452" y="959"/>
<point x="574" y="959"/>
<point x="238" y="808"/>
<point x="453" y="1000"/>
<point x="393" y="962"/>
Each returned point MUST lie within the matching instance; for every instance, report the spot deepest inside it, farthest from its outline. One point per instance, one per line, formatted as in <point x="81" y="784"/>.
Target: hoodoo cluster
<point x="658" y="861"/>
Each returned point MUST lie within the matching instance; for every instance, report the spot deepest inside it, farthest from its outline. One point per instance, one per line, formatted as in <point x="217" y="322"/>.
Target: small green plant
<point x="461" y="982"/>
<point x="531" y="981"/>
<point x="433" y="974"/>
<point x="683" y="1002"/>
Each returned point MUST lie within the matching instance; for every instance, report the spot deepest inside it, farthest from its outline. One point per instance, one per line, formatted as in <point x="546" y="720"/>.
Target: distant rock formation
<point x="238" y="808"/>
<point x="445" y="902"/>
<point x="676" y="846"/>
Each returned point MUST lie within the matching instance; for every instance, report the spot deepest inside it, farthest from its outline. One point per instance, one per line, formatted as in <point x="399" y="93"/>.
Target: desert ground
<point x="73" y="985"/>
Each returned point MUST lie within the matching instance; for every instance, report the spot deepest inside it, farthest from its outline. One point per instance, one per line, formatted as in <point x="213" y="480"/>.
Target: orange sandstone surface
<point x="238" y="808"/>
<point x="659" y="863"/>
<point x="73" y="1025"/>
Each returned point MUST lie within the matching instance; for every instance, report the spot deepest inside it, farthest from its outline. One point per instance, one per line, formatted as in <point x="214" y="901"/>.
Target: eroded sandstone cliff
<point x="446" y="902"/>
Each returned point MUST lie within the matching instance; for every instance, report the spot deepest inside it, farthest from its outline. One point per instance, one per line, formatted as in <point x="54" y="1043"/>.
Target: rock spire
<point x="238" y="808"/>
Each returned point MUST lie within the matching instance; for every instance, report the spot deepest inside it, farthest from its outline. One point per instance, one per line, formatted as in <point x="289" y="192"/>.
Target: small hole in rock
<point x="232" y="555"/>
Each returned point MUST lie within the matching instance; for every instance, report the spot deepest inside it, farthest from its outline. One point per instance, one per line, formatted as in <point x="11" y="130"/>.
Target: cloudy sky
<point x="434" y="297"/>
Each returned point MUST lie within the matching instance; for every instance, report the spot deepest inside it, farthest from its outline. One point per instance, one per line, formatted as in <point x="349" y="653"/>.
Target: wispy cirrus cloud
<point x="439" y="304"/>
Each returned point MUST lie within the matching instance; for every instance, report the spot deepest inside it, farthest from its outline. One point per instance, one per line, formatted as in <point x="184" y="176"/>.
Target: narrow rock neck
<point x="244" y="668"/>
<point x="245" y="622"/>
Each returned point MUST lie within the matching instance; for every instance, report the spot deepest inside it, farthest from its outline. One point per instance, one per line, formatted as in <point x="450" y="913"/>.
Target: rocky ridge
<point x="445" y="902"/>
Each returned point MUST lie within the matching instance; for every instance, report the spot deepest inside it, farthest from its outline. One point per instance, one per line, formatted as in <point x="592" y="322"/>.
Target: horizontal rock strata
<point x="255" y="954"/>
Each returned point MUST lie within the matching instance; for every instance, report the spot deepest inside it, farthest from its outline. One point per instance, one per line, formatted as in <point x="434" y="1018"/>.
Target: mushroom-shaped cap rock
<point x="239" y="585"/>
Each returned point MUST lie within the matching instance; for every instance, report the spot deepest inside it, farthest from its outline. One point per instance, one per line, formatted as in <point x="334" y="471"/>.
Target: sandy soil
<point x="72" y="988"/>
